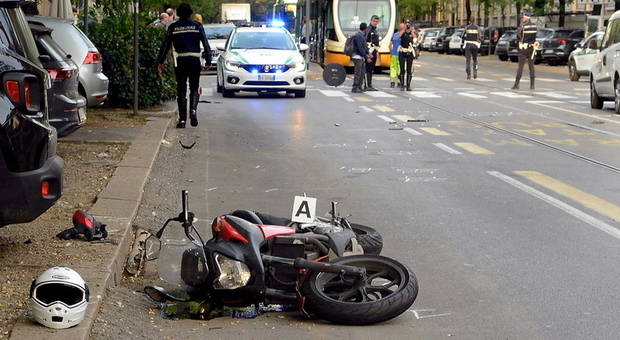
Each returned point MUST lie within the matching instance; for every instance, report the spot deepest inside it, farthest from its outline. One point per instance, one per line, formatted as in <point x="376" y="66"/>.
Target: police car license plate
<point x="266" y="77"/>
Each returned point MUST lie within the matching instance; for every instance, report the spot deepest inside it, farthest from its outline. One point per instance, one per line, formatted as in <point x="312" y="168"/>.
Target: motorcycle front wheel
<point x="388" y="289"/>
<point x="369" y="238"/>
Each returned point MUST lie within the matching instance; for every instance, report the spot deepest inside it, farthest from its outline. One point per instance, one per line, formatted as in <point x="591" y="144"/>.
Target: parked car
<point x="30" y="170"/>
<point x="557" y="47"/>
<point x="605" y="72"/>
<point x="490" y="38"/>
<point x="541" y="35"/>
<point x="217" y="34"/>
<point x="93" y="84"/>
<point x="581" y="58"/>
<point x="429" y="36"/>
<point x="507" y="41"/>
<point x="261" y="59"/>
<point x="443" y="38"/>
<point x="67" y="108"/>
<point x="456" y="42"/>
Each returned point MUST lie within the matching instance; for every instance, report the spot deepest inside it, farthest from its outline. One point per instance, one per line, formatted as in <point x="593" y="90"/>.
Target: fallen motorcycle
<point x="324" y="273"/>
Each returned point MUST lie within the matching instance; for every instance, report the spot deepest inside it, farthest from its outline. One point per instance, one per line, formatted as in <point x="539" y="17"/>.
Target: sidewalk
<point x="117" y="205"/>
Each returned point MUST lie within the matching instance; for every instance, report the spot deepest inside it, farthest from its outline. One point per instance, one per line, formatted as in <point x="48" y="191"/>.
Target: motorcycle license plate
<point x="266" y="77"/>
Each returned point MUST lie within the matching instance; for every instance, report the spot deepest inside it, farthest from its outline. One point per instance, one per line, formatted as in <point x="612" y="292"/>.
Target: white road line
<point x="331" y="93"/>
<point x="445" y="79"/>
<point x="387" y="119"/>
<point x="379" y="94"/>
<point x="447" y="148"/>
<point x="559" y="204"/>
<point x="510" y="94"/>
<point x="556" y="95"/>
<point x="472" y="95"/>
<point x="413" y="132"/>
<point x="423" y="94"/>
<point x="366" y="108"/>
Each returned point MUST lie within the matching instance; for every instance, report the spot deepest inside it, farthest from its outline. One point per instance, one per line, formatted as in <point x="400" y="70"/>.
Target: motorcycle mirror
<point x="158" y="294"/>
<point x="152" y="247"/>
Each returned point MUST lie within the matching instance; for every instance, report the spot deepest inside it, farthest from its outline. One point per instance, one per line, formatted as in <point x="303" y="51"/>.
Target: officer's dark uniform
<point x="406" y="54"/>
<point x="526" y="33"/>
<point x="372" y="40"/>
<point x="471" y="36"/>
<point x="186" y="36"/>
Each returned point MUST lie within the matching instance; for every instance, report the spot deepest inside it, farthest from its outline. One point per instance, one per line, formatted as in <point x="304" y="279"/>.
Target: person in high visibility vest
<point x="471" y="38"/>
<point x="526" y="33"/>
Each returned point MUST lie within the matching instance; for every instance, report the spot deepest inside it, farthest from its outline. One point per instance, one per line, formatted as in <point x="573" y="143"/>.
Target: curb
<point x="117" y="205"/>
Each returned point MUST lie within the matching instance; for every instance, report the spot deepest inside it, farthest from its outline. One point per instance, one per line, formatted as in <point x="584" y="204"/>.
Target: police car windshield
<point x="262" y="40"/>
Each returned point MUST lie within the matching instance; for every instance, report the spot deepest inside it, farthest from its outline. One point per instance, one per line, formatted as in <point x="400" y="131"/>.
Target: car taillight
<point x="495" y="36"/>
<point x="562" y="41"/>
<point x="92" y="58"/>
<point x="13" y="90"/>
<point x="45" y="188"/>
<point x="58" y="75"/>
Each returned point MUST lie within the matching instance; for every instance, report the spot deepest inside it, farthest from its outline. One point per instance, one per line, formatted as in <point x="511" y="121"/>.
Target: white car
<point x="605" y="71"/>
<point x="581" y="58"/>
<point x="217" y="34"/>
<point x="261" y="59"/>
<point x="428" y="38"/>
<point x="456" y="42"/>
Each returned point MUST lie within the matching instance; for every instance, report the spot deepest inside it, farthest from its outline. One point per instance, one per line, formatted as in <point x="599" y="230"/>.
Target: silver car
<point x="217" y="34"/>
<point x="93" y="83"/>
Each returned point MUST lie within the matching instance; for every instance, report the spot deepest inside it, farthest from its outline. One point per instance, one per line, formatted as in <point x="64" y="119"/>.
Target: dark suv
<point x="490" y="38"/>
<point x="557" y="47"/>
<point x="443" y="38"/>
<point x="30" y="170"/>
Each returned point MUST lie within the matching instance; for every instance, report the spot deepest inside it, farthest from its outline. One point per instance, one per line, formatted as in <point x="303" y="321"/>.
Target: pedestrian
<point x="361" y="55"/>
<point x="394" y="62"/>
<point x="306" y="30"/>
<point x="406" y="54"/>
<point x="186" y="36"/>
<point x="163" y="19"/>
<point x="526" y="33"/>
<point x="171" y="16"/>
<point x="372" y="38"/>
<point x="471" y="37"/>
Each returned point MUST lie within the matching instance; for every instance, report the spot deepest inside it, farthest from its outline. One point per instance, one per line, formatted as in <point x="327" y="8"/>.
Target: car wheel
<point x="218" y="87"/>
<point x="514" y="59"/>
<point x="617" y="96"/>
<point x="300" y="93"/>
<point x="572" y="71"/>
<point x="552" y="62"/>
<point x="227" y="93"/>
<point x="595" y="101"/>
<point x="502" y="57"/>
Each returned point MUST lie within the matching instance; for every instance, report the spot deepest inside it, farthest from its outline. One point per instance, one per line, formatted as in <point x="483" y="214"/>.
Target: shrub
<point x="114" y="38"/>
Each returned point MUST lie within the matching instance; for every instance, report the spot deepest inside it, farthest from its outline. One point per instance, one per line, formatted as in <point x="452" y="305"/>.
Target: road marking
<point x="597" y="117"/>
<point x="559" y="204"/>
<point x="207" y="91"/>
<point x="366" y="108"/>
<point x="418" y="316"/>
<point x="331" y="93"/>
<point x="435" y="131"/>
<point x="447" y="148"/>
<point x="555" y="95"/>
<point x="380" y="94"/>
<point x="383" y="108"/>
<point x="510" y="94"/>
<point x="475" y="149"/>
<point x="597" y="204"/>
<point x="544" y="102"/>
<point x="387" y="119"/>
<point x="445" y="79"/>
<point x="363" y="99"/>
<point x="403" y="118"/>
<point x="423" y="94"/>
<point x="413" y="132"/>
<point x="472" y="95"/>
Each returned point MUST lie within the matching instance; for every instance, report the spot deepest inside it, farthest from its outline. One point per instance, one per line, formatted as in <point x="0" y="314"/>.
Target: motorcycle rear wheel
<point x="387" y="291"/>
<point x="367" y="237"/>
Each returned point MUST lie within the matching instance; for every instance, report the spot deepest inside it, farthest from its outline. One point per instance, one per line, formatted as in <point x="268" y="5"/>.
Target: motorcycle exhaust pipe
<point x="327" y="267"/>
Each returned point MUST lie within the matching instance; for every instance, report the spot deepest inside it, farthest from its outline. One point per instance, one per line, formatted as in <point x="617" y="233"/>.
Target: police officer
<point x="526" y="33"/>
<point x="471" y="37"/>
<point x="372" y="40"/>
<point x="406" y="54"/>
<point x="186" y="36"/>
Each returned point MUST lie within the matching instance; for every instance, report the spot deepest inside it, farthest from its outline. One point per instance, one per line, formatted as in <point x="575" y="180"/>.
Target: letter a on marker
<point x="304" y="209"/>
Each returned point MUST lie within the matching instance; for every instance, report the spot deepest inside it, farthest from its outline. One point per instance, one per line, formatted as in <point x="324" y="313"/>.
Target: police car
<point x="261" y="59"/>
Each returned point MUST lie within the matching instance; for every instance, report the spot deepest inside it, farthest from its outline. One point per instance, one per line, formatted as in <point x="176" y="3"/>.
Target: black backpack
<point x="349" y="46"/>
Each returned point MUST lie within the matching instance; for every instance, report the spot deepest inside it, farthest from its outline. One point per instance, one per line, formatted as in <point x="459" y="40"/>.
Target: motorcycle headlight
<point x="232" y="273"/>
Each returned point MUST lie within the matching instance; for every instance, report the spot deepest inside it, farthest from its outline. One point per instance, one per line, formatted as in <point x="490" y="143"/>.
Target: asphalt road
<point x="504" y="203"/>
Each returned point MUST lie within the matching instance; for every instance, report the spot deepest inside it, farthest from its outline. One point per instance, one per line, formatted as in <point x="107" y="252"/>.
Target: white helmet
<point x="59" y="298"/>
